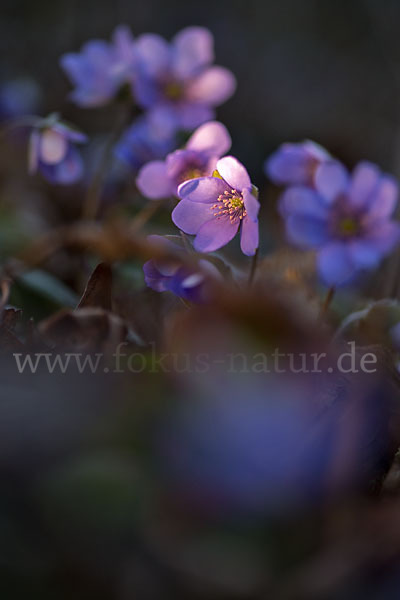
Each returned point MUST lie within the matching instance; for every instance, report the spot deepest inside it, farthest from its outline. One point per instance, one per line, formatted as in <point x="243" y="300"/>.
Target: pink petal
<point x="212" y="137"/>
<point x="153" y="181"/>
<point x="193" y="50"/>
<point x="249" y="237"/>
<point x="204" y="189"/>
<point x="214" y="234"/>
<point x="213" y="87"/>
<point x="251" y="204"/>
<point x="234" y="173"/>
<point x="53" y="147"/>
<point x="190" y="216"/>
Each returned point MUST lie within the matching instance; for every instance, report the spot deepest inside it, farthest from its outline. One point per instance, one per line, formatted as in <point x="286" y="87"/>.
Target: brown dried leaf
<point x="98" y="290"/>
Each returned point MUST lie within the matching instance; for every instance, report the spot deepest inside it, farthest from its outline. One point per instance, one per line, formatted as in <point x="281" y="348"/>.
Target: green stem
<point x="253" y="268"/>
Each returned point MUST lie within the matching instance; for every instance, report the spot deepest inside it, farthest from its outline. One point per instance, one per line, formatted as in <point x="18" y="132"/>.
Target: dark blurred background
<point x="326" y="70"/>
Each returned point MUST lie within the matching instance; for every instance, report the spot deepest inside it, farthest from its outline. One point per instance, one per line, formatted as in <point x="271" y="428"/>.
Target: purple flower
<point x="150" y="137"/>
<point x="166" y="275"/>
<point x="179" y="77"/>
<point x="213" y="208"/>
<point x="101" y="69"/>
<point x="52" y="151"/>
<point x="161" y="179"/>
<point x="346" y="218"/>
<point x="296" y="164"/>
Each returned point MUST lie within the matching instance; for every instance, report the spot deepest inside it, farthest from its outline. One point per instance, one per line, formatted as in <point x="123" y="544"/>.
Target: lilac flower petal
<point x="214" y="234"/>
<point x="193" y="50"/>
<point x="363" y="254"/>
<point x="72" y="65"/>
<point x="249" y="236"/>
<point x="385" y="200"/>
<point x="53" y="147"/>
<point x="167" y="268"/>
<point x="66" y="172"/>
<point x="97" y="51"/>
<point x="213" y="87"/>
<point x="251" y="204"/>
<point x="189" y="115"/>
<point x="204" y="190"/>
<point x="316" y="151"/>
<point x="153" y="180"/>
<point x="290" y="164"/>
<point x="181" y="161"/>
<point x="384" y="236"/>
<point x="303" y="201"/>
<point x="211" y="165"/>
<point x="147" y="93"/>
<point x="331" y="179"/>
<point x="306" y="231"/>
<point x="234" y="173"/>
<point x="191" y="216"/>
<point x="124" y="44"/>
<point x="154" y="55"/>
<point x="145" y="140"/>
<point x="153" y="278"/>
<point x="364" y="181"/>
<point x="33" y="151"/>
<point x="335" y="265"/>
<point x="212" y="138"/>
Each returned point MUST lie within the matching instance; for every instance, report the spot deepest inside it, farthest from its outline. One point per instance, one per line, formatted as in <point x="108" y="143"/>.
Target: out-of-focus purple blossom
<point x="150" y="137"/>
<point x="296" y="164"/>
<point x="274" y="444"/>
<point x="179" y="77"/>
<point x="346" y="218"/>
<point x="214" y="208"/>
<point x="161" y="179"/>
<point x="19" y="97"/>
<point x="189" y="283"/>
<point x="52" y="151"/>
<point x="101" y="69"/>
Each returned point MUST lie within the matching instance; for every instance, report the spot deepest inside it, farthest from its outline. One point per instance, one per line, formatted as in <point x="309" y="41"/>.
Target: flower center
<point x="230" y="204"/>
<point x="191" y="173"/>
<point x="173" y="90"/>
<point x="348" y="227"/>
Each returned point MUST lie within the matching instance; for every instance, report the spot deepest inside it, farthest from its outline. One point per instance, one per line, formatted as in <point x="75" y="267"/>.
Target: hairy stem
<point x="93" y="197"/>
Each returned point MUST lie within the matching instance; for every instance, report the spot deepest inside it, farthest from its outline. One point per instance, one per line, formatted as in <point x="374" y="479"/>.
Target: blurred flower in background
<point x="179" y="77"/>
<point x="296" y="164"/>
<point x="52" y="151"/>
<point x="347" y="219"/>
<point x="161" y="179"/>
<point x="150" y="137"/>
<point x="101" y="69"/>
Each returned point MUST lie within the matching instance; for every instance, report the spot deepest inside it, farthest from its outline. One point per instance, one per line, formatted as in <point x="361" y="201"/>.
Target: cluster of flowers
<point x="346" y="218"/>
<point x="175" y="85"/>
